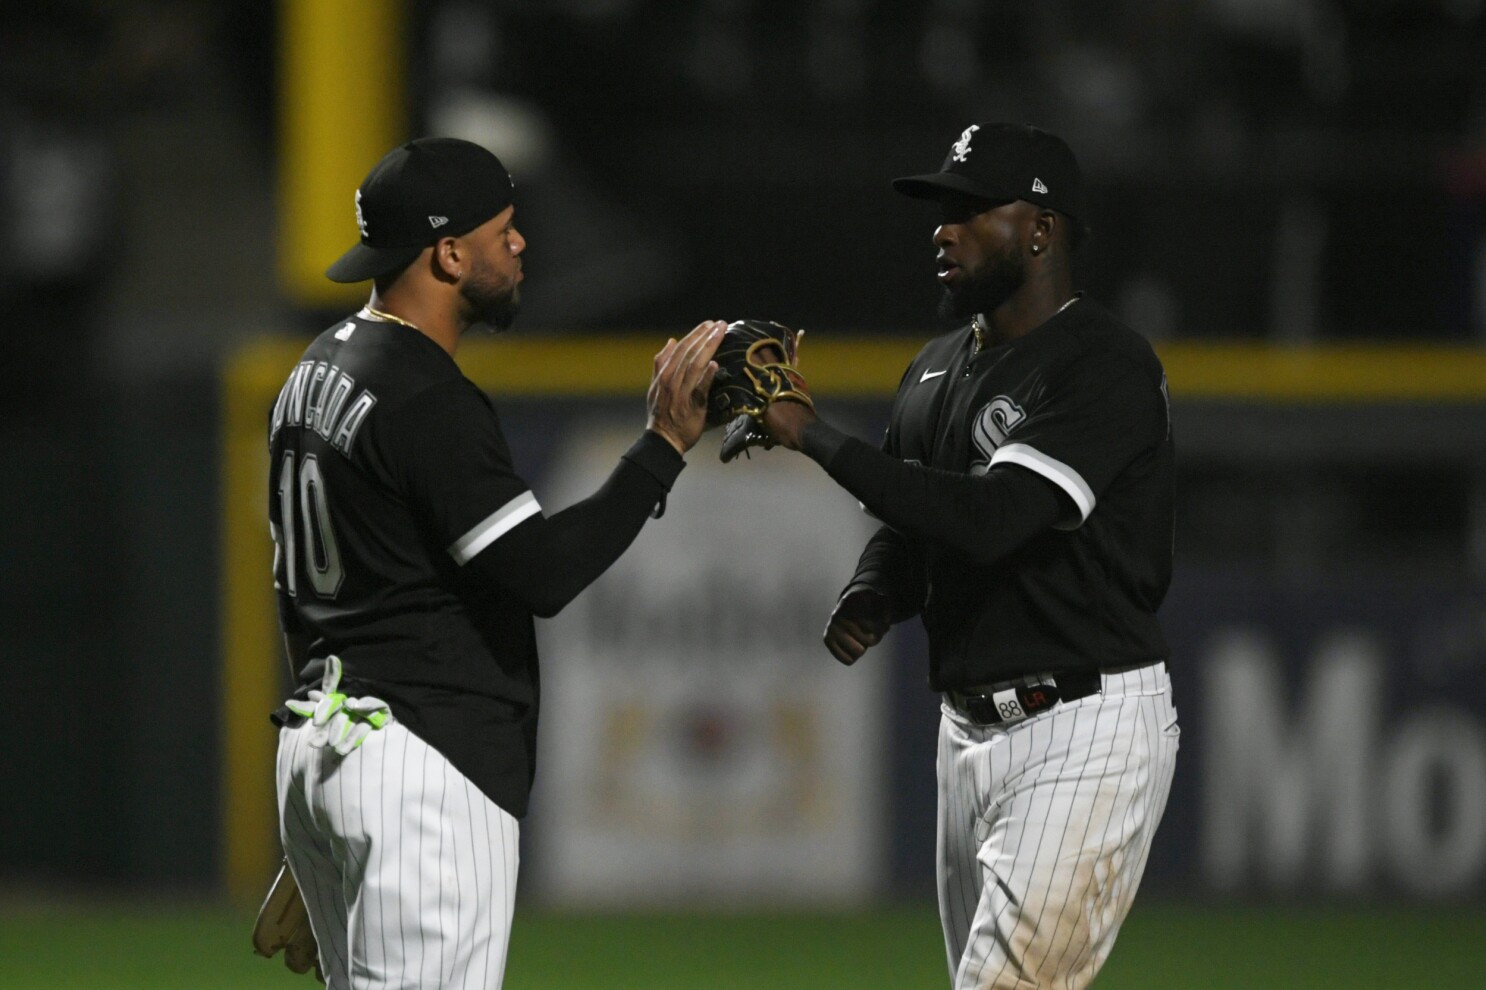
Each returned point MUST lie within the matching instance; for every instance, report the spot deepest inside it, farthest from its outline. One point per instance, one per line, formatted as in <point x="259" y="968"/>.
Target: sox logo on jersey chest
<point x="992" y="425"/>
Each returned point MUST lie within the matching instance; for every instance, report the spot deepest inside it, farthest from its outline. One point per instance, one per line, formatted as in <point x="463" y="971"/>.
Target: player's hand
<point x="784" y="420"/>
<point x="858" y="623"/>
<point x="678" y="387"/>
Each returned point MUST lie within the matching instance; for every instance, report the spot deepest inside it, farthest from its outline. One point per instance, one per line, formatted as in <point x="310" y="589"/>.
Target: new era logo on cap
<point x="1037" y="185"/>
<point x="437" y="222"/>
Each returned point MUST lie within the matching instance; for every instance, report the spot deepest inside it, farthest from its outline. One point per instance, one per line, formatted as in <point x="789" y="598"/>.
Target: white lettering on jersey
<point x="329" y="410"/>
<point x="314" y="390"/>
<point x="345" y="431"/>
<point x="992" y="424"/>
<point x="294" y="410"/>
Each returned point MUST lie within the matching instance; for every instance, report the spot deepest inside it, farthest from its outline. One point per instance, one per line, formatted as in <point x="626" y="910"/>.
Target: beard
<point x="491" y="301"/>
<point x="985" y="289"/>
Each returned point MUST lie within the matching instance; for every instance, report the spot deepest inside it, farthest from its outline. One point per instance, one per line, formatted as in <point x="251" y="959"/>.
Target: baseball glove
<point x="755" y="369"/>
<point x="283" y="923"/>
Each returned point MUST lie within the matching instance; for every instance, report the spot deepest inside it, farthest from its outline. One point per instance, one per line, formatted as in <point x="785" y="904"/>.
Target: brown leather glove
<point x="284" y="923"/>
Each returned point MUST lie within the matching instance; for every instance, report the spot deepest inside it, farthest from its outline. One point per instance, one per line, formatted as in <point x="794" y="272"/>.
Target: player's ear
<point x="449" y="259"/>
<point x="1044" y="226"/>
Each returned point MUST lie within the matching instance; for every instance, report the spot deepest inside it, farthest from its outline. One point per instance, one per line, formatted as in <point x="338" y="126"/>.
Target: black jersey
<point x="1080" y="402"/>
<point x="392" y="494"/>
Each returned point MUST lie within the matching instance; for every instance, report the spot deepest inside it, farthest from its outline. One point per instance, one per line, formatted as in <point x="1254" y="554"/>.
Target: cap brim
<point x="362" y="263"/>
<point x="937" y="185"/>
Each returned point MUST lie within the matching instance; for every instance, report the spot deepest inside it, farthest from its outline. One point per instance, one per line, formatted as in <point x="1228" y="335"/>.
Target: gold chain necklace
<point x="377" y="314"/>
<point x="980" y="330"/>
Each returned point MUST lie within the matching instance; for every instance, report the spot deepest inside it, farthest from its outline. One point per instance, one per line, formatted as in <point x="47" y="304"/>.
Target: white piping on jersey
<point x="1053" y="470"/>
<point x="493" y="527"/>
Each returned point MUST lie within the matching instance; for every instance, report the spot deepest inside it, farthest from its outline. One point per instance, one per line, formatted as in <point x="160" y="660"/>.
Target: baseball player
<point x="410" y="560"/>
<point x="1025" y="491"/>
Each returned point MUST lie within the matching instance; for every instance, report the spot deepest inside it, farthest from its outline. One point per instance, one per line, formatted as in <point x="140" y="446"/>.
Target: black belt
<point x="1011" y="701"/>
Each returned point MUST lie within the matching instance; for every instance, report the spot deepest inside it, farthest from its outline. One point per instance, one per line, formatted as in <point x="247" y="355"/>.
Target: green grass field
<point x="1163" y="947"/>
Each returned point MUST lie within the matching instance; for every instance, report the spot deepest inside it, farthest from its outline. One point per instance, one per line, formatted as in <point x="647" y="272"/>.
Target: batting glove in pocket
<point x="340" y="722"/>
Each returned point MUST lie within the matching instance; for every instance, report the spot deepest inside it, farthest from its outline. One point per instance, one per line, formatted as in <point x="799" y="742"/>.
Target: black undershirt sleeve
<point x="546" y="561"/>
<point x="982" y="518"/>
<point x="444" y="454"/>
<point x="889" y="567"/>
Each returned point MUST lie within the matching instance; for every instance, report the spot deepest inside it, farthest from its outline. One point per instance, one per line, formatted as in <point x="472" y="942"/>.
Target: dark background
<point x="1301" y="174"/>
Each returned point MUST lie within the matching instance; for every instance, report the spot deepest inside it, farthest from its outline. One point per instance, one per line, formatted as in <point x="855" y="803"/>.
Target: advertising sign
<point x="1333" y="739"/>
<point x="699" y="745"/>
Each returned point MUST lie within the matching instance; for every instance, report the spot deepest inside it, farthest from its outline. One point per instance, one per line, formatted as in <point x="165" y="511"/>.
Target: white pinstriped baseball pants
<point x="1044" y="830"/>
<point x="407" y="868"/>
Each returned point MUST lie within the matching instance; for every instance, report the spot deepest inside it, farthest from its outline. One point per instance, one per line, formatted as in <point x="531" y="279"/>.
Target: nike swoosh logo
<point x="932" y="374"/>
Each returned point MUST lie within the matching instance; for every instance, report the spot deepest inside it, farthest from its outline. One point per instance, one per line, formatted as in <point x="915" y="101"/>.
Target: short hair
<point x="386" y="280"/>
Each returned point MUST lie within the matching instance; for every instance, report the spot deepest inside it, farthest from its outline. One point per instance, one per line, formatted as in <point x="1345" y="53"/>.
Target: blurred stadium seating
<point x="1289" y="199"/>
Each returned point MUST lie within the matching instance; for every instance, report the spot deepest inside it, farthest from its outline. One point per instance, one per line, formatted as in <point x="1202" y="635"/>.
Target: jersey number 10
<point x="322" y="558"/>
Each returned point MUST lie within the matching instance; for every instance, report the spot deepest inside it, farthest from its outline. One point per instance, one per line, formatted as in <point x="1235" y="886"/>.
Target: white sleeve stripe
<point x="493" y="527"/>
<point x="1053" y="470"/>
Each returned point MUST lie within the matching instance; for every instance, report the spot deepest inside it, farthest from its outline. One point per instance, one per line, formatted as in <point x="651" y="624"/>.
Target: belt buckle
<point x="1011" y="704"/>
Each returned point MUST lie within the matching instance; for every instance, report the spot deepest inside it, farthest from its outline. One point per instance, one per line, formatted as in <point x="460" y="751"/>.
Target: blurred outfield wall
<point x="1332" y="717"/>
<point x="1334" y="741"/>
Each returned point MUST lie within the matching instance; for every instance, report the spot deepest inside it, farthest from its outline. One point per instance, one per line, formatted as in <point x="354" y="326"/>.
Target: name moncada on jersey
<point x="317" y="396"/>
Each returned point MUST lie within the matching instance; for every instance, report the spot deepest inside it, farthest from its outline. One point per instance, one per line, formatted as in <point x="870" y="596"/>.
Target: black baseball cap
<point x="426" y="189"/>
<point x="1001" y="163"/>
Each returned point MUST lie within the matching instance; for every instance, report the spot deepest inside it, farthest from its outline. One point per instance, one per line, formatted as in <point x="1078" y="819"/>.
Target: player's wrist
<point x="820" y="441"/>
<point x="860" y="588"/>
<point x="864" y="604"/>
<point x="785" y="419"/>
<point x="670" y="438"/>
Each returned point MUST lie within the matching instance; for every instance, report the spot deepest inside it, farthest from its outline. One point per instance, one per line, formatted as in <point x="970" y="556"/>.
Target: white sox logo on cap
<point x="1008" y="162"/>
<point x="360" y="220"/>
<point x="961" y="149"/>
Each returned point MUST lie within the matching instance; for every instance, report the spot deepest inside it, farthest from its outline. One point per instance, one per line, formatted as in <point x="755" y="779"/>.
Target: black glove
<point x="755" y="368"/>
